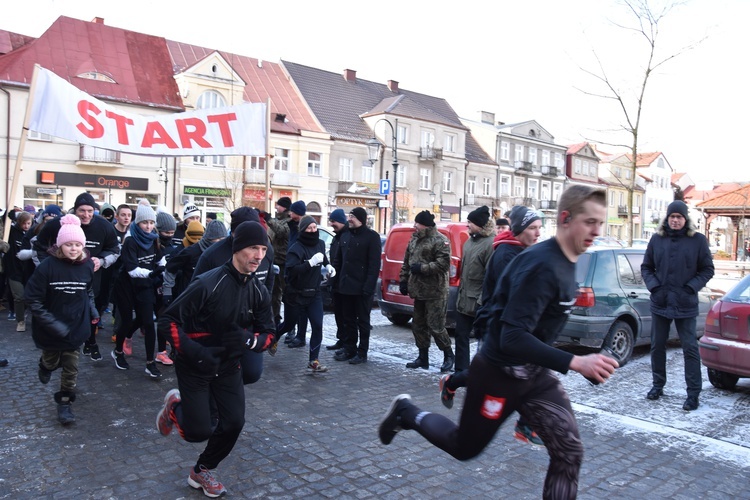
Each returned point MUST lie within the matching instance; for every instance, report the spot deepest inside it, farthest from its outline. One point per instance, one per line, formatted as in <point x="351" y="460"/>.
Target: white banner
<point x="61" y="110"/>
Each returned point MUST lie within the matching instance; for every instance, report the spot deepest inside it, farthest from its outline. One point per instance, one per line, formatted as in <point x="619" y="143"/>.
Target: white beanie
<point x="144" y="212"/>
<point x="190" y="211"/>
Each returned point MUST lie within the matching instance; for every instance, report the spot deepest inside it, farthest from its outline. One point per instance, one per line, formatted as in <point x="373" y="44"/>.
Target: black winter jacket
<point x="359" y="260"/>
<point x="303" y="281"/>
<point x="61" y="300"/>
<point x="676" y="266"/>
<point x="221" y="252"/>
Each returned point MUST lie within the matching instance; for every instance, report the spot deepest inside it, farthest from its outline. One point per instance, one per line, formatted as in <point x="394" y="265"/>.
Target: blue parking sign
<point x="385" y="187"/>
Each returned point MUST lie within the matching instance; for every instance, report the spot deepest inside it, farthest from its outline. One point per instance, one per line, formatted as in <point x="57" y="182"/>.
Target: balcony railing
<point x="98" y="155"/>
<point x="526" y="166"/>
<point x="622" y="210"/>
<point x="430" y="153"/>
<point x="548" y="204"/>
<point x="548" y="170"/>
<point x="278" y="177"/>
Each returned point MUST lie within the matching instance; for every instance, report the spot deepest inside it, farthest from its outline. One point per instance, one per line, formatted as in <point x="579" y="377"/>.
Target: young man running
<point x="512" y="372"/>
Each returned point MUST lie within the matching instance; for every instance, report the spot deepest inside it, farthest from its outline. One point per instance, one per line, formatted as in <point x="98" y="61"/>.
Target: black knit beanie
<point x="425" y="218"/>
<point x="247" y="234"/>
<point x="480" y="216"/>
<point x="521" y="217"/>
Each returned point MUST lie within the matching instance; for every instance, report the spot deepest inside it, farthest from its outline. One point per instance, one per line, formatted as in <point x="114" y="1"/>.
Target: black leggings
<point x="493" y="394"/>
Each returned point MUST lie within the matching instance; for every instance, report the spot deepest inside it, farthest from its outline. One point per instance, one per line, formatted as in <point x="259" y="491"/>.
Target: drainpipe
<point x="7" y="152"/>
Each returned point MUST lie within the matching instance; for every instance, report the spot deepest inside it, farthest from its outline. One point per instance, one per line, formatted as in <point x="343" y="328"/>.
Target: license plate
<point x="393" y="288"/>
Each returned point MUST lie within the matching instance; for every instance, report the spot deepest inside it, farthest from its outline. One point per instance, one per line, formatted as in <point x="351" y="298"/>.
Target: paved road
<point x="315" y="435"/>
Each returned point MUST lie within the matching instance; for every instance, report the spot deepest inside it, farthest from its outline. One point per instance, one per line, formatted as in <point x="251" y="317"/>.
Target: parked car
<point x="725" y="346"/>
<point x="639" y="243"/>
<point x="398" y="308"/>
<point x="613" y="308"/>
<point x="607" y="241"/>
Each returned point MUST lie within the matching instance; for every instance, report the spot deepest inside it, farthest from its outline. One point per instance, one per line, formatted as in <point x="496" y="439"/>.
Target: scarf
<point x="308" y="239"/>
<point x="145" y="240"/>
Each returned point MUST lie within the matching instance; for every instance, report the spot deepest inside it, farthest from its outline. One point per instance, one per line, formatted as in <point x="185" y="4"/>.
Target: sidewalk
<point x="306" y="435"/>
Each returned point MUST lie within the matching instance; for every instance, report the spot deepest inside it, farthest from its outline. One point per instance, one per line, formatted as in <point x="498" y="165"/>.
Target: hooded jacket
<point x="477" y="252"/>
<point x="432" y="250"/>
<point x="676" y="266"/>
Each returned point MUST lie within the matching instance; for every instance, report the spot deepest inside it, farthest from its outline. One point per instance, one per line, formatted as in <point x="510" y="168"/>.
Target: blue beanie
<point x="298" y="207"/>
<point x="338" y="215"/>
<point x="53" y="210"/>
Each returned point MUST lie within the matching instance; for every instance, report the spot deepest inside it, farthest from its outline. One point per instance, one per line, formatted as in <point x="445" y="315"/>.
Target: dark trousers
<point x="193" y="413"/>
<point x="252" y="366"/>
<point x="96" y="284"/>
<point x="493" y="394"/>
<point x="686" y="331"/>
<point x="356" y="316"/>
<point x="298" y="314"/>
<point x="338" y="314"/>
<point x="464" y="325"/>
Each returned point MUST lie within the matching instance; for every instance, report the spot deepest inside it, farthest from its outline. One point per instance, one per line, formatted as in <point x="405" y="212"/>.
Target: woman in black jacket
<point x="14" y="267"/>
<point x="302" y="298"/>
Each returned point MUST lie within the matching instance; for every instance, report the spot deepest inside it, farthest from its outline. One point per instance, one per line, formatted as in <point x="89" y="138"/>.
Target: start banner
<point x="61" y="110"/>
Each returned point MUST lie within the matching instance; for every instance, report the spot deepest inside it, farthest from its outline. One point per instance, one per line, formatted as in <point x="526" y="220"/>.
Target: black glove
<point x="416" y="268"/>
<point x="156" y="272"/>
<point x="403" y="287"/>
<point x="260" y="341"/>
<point x="235" y="337"/>
<point x="209" y="359"/>
<point x="266" y="216"/>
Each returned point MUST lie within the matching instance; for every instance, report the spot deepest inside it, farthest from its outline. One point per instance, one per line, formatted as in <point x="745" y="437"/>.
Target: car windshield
<point x="741" y="292"/>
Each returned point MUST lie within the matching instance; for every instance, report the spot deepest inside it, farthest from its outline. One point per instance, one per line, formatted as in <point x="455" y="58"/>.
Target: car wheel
<point x="620" y="341"/>
<point x="722" y="380"/>
<point x="399" y="319"/>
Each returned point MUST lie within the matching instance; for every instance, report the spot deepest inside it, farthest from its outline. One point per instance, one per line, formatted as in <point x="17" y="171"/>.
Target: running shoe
<point x="120" y="362"/>
<point x="446" y="395"/>
<point x="164" y="422"/>
<point x="316" y="367"/>
<point x="127" y="347"/>
<point x="206" y="481"/>
<point x="152" y="371"/>
<point x="526" y="434"/>
<point x="164" y="359"/>
<point x="95" y="354"/>
<point x="390" y="424"/>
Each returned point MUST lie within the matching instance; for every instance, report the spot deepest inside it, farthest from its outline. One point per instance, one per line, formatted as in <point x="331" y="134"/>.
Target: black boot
<point x="422" y="361"/>
<point x="64" y="412"/>
<point x="448" y="360"/>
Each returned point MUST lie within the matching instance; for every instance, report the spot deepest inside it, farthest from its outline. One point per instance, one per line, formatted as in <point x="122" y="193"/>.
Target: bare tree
<point x="644" y="22"/>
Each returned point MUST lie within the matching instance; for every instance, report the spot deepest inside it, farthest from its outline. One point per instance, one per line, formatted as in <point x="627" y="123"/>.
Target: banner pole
<point x="268" y="156"/>
<point x="19" y="154"/>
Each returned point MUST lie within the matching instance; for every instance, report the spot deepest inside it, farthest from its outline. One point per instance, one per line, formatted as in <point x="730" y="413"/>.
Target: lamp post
<point x="433" y="196"/>
<point x="164" y="178"/>
<point x="373" y="151"/>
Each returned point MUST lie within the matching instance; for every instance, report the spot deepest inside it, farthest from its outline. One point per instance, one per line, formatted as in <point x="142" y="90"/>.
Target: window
<point x="47" y="196"/>
<point x="450" y="143"/>
<point x="637" y="200"/>
<point x="281" y="159"/>
<point x="618" y="172"/>
<point x="545" y="158"/>
<point x="313" y="163"/>
<point x="611" y="198"/>
<point x="425" y="178"/>
<point x="345" y="169"/>
<point x="471" y="185"/>
<point x="367" y="172"/>
<point x="504" y="151"/>
<point x="629" y="269"/>
<point x="486" y="186"/>
<point x="505" y="185"/>
<point x="38" y="136"/>
<point x="585" y="168"/>
<point x="92" y="153"/>
<point x="207" y="100"/>
<point x="558" y="160"/>
<point x="545" y="190"/>
<point x="556" y="191"/>
<point x="448" y="182"/>
<point x="518" y="187"/>
<point x="622" y="199"/>
<point x="532" y="156"/>
<point x="533" y="188"/>
<point x="518" y="152"/>
<point x="577" y="166"/>
<point x="403" y="134"/>
<point x="627" y="173"/>
<point x="258" y="162"/>
<point x="401" y="176"/>
<point x="428" y="139"/>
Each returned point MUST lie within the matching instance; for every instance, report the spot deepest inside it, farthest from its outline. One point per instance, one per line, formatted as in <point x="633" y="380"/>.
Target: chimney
<point x="98" y="20"/>
<point x="350" y="75"/>
<point x="487" y="117"/>
<point x="393" y="86"/>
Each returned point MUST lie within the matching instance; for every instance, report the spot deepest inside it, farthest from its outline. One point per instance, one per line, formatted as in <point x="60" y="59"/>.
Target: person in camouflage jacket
<point x="424" y="277"/>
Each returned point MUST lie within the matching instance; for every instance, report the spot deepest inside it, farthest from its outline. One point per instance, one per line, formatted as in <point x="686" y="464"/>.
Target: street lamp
<point x="373" y="151"/>
<point x="433" y="196"/>
<point x="163" y="178"/>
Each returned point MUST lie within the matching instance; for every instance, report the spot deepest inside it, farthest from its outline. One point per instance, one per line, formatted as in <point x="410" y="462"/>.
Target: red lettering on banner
<point x="95" y="130"/>
<point x="156" y="134"/>
<point x="192" y="129"/>
<point x="223" y="122"/>
<point x="121" y="122"/>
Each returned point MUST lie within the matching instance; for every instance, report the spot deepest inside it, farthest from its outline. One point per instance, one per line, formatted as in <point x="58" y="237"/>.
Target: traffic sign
<point x="385" y="187"/>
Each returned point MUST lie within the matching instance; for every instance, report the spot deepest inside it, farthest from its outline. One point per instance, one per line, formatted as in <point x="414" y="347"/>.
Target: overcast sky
<point x="520" y="60"/>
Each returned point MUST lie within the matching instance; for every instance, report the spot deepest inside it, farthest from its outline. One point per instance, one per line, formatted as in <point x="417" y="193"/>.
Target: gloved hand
<point x="235" y="337"/>
<point x="260" y="342"/>
<point x="403" y="287"/>
<point x="156" y="272"/>
<point x="59" y="329"/>
<point x="331" y="271"/>
<point x="416" y="268"/>
<point x="209" y="359"/>
<point x="265" y="215"/>
<point x="139" y="272"/>
<point x="316" y="259"/>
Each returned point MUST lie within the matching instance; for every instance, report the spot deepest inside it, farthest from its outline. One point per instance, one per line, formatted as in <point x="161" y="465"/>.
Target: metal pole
<point x="394" y="131"/>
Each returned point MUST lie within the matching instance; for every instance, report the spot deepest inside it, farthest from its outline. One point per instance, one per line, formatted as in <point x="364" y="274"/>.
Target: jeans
<point x="686" y="331"/>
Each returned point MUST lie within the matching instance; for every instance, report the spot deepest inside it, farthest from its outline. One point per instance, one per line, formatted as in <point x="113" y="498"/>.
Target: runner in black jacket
<point x="221" y="314"/>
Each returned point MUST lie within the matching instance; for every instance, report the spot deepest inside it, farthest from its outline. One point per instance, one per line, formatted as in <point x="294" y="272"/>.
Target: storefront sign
<point x="92" y="181"/>
<point x="348" y="201"/>
<point x="207" y="191"/>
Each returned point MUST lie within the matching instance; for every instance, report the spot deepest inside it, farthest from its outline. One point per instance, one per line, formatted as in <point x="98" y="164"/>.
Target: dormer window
<point x="94" y="75"/>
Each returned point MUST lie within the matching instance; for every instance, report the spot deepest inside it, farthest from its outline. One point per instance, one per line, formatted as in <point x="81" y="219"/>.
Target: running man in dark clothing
<point x="513" y="370"/>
